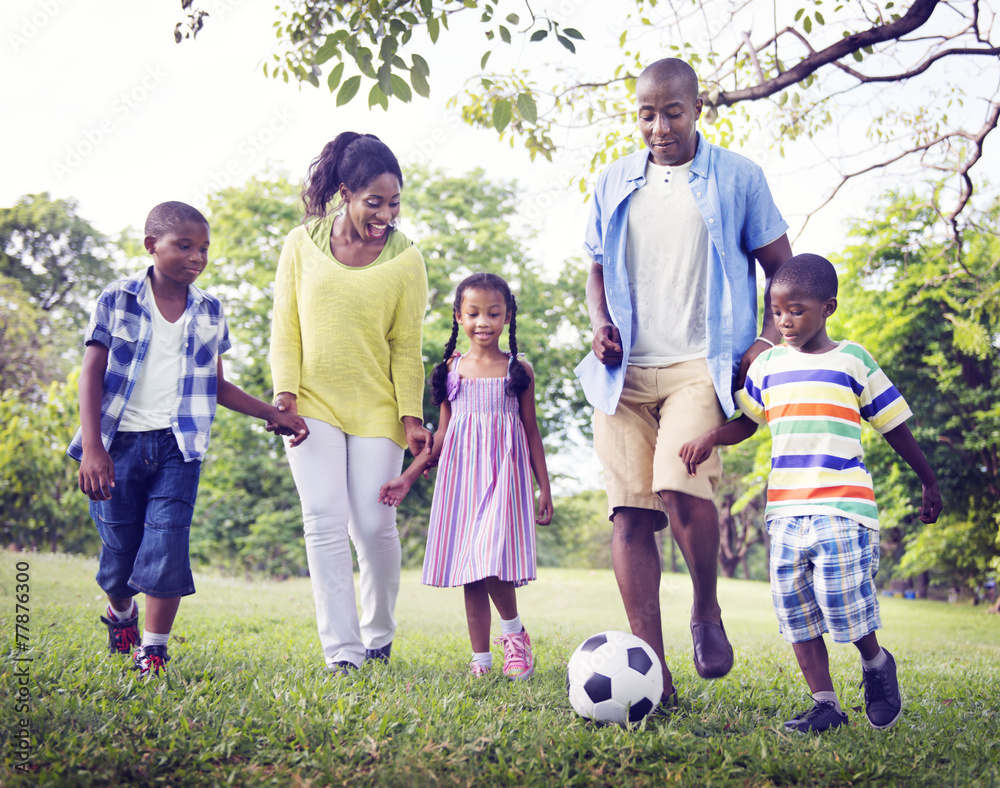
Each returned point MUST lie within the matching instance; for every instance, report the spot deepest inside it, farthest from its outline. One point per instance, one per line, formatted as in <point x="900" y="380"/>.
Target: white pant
<point x="338" y="477"/>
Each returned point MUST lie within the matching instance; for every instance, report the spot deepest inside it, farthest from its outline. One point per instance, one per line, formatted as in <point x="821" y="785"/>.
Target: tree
<point x="41" y="506"/>
<point x="928" y="309"/>
<point x="29" y="345"/>
<point x="58" y="258"/>
<point x="796" y="71"/>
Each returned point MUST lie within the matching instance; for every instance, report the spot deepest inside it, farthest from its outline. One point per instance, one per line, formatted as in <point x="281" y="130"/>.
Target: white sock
<point x="511" y="627"/>
<point x="484" y="658"/>
<point x="876" y="663"/>
<point x="124" y="615"/>
<point x="830" y="697"/>
<point x="154" y="638"/>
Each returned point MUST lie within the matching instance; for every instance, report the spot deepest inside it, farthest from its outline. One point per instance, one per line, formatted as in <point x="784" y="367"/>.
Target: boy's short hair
<point x="168" y="216"/>
<point x="809" y="274"/>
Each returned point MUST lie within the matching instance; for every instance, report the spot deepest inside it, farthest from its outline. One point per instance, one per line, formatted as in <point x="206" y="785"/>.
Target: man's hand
<point x="418" y="437"/>
<point x="931" y="504"/>
<point x="607" y="345"/>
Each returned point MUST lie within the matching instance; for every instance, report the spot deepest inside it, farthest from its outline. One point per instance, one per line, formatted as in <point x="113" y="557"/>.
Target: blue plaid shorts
<point x="823" y="577"/>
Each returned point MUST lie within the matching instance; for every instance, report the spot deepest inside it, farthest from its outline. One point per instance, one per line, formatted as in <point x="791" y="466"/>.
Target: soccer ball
<point x="614" y="677"/>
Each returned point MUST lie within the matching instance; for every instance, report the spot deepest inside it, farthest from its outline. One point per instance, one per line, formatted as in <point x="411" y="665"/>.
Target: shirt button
<point x="711" y="221"/>
<point x="699" y="194"/>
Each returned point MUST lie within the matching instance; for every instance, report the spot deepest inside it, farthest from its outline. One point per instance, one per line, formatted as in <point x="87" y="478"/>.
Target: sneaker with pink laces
<point x="518" y="662"/>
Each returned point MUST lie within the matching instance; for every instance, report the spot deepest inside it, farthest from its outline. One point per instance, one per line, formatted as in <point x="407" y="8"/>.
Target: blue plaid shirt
<point x="735" y="203"/>
<point x="123" y="324"/>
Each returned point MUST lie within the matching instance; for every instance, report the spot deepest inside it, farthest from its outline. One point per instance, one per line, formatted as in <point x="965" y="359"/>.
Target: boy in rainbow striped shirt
<point x="821" y="515"/>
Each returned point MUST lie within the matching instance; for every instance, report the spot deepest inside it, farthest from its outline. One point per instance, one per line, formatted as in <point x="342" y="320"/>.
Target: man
<point x="673" y="233"/>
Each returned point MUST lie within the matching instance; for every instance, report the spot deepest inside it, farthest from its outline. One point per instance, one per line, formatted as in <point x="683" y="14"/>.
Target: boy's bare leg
<point x="160" y="614"/>
<point x="868" y="646"/>
<point x="814" y="661"/>
<point x="636" y="563"/>
<point x="120" y="603"/>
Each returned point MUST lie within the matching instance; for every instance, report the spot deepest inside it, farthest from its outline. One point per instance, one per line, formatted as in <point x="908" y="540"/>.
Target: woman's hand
<point x="418" y="437"/>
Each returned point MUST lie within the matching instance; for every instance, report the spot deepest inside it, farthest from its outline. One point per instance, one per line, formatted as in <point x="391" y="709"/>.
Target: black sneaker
<point x="150" y="660"/>
<point x="380" y="654"/>
<point x="883" y="703"/>
<point x="122" y="633"/>
<point x="821" y="717"/>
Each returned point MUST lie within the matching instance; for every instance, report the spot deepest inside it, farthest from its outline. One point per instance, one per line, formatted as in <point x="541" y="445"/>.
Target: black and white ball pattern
<point x="614" y="677"/>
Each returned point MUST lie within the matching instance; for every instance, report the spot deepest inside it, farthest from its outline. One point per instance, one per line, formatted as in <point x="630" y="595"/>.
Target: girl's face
<point x="483" y="316"/>
<point x="372" y="209"/>
<point x="802" y="319"/>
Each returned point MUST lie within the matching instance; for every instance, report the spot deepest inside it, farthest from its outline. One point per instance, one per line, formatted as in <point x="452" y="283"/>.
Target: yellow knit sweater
<point x="346" y="341"/>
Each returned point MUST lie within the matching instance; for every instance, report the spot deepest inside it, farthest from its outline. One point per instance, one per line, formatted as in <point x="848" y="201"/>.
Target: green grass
<point x="247" y="701"/>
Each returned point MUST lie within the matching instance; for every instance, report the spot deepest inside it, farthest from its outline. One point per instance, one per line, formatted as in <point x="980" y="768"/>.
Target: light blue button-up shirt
<point x="732" y="195"/>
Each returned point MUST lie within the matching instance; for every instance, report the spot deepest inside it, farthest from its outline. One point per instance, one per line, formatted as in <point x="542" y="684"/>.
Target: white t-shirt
<point x="152" y="402"/>
<point x="667" y="261"/>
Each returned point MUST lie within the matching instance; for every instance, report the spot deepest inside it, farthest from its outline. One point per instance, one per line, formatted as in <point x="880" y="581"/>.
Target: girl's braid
<point x="519" y="380"/>
<point x="439" y="378"/>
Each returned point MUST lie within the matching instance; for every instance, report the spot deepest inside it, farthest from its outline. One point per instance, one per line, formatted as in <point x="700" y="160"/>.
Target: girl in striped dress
<point x="482" y="527"/>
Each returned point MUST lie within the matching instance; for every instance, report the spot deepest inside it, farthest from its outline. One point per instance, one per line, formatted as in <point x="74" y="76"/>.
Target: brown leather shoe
<point x="713" y="655"/>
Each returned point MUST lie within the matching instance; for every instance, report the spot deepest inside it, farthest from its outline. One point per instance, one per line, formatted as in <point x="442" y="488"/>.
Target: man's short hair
<point x="808" y="274"/>
<point x="671" y="68"/>
<point x="168" y="216"/>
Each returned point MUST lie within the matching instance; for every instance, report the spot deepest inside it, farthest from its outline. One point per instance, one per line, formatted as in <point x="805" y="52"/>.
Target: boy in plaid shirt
<point x="152" y="375"/>
<point x="821" y="515"/>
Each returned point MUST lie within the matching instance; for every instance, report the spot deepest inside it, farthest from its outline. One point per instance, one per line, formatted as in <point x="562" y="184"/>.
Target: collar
<point x="635" y="163"/>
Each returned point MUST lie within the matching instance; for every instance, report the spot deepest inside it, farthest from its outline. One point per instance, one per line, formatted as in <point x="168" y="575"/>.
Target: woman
<point x="349" y="300"/>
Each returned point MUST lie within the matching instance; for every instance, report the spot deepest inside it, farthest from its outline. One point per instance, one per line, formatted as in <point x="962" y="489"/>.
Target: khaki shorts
<point x="661" y="409"/>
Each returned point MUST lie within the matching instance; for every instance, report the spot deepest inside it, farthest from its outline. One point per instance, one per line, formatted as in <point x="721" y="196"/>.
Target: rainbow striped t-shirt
<point x="813" y="404"/>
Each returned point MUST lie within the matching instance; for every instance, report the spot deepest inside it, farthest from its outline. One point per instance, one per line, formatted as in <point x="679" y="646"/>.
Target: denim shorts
<point x="823" y="577"/>
<point x="145" y="526"/>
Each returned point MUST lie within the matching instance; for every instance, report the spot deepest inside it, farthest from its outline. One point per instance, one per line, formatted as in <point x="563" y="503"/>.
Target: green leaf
<point x="857" y="56"/>
<point x="572" y="32"/>
<point x="427" y="8"/>
<point x="504" y="34"/>
<point x="409" y="17"/>
<point x="502" y="114"/>
<point x="419" y="82"/>
<point x="819" y="17"/>
<point x="400" y="89"/>
<point x="527" y="108"/>
<point x="433" y="28"/>
<point x="348" y="90"/>
<point x="385" y="78"/>
<point x="420" y="65"/>
<point x="807" y="24"/>
<point x="388" y="48"/>
<point x="566" y="43"/>
<point x="799" y="13"/>
<point x="328" y="50"/>
<point x="470" y="3"/>
<point x="482" y="63"/>
<point x="513" y="18"/>
<point x="538" y="35"/>
<point x="376" y="96"/>
<point x="335" y="76"/>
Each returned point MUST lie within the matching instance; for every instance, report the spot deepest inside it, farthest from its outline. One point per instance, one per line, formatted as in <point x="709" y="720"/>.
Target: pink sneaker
<point x="477" y="669"/>
<point x="518" y="663"/>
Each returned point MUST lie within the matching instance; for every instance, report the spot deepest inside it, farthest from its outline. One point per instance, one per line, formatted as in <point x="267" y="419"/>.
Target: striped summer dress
<point x="814" y="405"/>
<point x="482" y="517"/>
